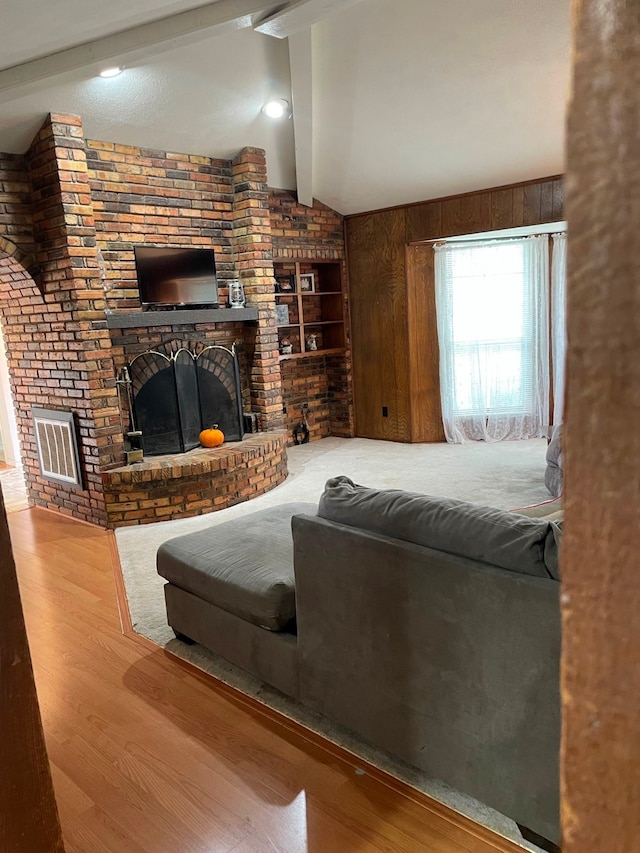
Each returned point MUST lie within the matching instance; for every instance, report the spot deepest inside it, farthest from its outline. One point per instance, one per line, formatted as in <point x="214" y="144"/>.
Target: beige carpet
<point x="504" y="475"/>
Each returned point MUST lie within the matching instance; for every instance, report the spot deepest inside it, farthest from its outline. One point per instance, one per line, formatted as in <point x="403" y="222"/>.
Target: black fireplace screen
<point x="177" y="395"/>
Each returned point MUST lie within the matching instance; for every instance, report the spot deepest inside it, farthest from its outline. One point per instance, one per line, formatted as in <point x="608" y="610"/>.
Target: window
<point x="492" y="306"/>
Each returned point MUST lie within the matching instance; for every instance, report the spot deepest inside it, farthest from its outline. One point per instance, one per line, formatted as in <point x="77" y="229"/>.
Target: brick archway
<point x="12" y="251"/>
<point x="19" y="299"/>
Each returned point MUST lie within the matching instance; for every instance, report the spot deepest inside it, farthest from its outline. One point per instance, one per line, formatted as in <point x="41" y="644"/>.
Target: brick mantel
<point x="137" y="319"/>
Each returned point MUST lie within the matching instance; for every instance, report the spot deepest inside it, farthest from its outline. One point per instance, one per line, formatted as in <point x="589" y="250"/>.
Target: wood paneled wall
<point x="393" y="323"/>
<point x="378" y="300"/>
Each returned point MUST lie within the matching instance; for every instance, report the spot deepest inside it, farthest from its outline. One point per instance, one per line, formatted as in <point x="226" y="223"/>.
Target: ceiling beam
<point x="130" y="45"/>
<point x="301" y="66"/>
<point x="300" y="15"/>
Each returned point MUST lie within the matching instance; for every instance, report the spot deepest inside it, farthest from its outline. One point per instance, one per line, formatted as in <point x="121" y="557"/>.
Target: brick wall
<point x="70" y="213"/>
<point x="149" y="197"/>
<point x="42" y="375"/>
<point x="254" y="254"/>
<point x="305" y="381"/>
<point x="58" y="346"/>
<point x="340" y="393"/>
<point x="304" y="232"/>
<point x="142" y="196"/>
<point x="324" y="382"/>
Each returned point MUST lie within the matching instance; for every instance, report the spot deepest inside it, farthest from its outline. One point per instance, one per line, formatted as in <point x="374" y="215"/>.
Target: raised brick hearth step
<point x="193" y="483"/>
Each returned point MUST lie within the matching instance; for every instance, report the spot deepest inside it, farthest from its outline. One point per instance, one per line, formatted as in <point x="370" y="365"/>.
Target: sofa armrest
<point x="450" y="664"/>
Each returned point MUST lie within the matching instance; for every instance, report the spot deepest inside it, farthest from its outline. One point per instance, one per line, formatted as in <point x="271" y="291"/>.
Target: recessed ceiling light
<point x="277" y="108"/>
<point x="111" y="72"/>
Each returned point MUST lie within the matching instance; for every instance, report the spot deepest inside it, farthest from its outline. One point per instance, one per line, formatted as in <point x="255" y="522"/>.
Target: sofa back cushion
<point x="519" y="544"/>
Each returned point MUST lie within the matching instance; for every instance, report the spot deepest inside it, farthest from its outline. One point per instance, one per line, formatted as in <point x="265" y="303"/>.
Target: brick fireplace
<point x="174" y="392"/>
<point x="72" y="211"/>
<point x="196" y="482"/>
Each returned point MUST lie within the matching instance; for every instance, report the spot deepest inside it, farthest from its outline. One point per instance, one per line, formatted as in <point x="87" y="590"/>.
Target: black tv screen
<point x="171" y="277"/>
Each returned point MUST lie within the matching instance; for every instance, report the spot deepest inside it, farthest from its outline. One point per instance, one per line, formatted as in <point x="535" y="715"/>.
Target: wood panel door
<point x="378" y="300"/>
<point x="28" y="812"/>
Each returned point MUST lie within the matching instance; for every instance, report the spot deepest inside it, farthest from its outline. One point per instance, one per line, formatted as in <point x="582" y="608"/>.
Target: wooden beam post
<point x="28" y="812"/>
<point x="601" y="575"/>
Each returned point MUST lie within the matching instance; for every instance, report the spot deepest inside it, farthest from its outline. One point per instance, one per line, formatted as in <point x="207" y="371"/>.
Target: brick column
<point x="254" y="264"/>
<point x="75" y="365"/>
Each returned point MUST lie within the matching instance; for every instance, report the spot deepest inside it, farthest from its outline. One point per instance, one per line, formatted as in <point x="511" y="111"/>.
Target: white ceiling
<point x="399" y="101"/>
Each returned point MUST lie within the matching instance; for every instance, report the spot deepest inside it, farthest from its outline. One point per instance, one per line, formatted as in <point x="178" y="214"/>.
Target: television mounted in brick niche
<point x="171" y="277"/>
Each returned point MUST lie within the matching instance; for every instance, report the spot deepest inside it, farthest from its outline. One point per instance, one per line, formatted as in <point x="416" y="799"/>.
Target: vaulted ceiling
<point x="393" y="100"/>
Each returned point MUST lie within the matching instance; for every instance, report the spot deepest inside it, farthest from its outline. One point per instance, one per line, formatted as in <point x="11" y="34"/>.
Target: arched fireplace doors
<point x="174" y="395"/>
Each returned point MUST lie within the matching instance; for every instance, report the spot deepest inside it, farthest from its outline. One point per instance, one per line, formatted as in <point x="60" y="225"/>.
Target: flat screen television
<point x="170" y="277"/>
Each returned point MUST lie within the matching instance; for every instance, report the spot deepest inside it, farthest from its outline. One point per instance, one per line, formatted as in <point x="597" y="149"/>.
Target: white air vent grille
<point x="57" y="446"/>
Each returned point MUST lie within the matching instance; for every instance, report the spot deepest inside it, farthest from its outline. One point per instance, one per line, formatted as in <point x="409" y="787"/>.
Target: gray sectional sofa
<point x="429" y="627"/>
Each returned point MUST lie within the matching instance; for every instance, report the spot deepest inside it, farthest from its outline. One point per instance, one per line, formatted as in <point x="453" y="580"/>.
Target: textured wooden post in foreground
<point x="28" y="813"/>
<point x="601" y="562"/>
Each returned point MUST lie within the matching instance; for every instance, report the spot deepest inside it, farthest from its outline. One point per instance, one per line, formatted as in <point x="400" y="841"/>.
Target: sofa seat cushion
<point x="497" y="537"/>
<point x="243" y="566"/>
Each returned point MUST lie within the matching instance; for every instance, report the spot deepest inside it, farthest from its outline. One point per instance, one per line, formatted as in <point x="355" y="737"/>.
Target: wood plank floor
<point x="151" y="756"/>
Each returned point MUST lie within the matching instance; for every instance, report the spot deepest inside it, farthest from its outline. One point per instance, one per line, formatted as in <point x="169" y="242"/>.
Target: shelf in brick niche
<point x="310" y="312"/>
<point x="135" y="319"/>
<point x="313" y="354"/>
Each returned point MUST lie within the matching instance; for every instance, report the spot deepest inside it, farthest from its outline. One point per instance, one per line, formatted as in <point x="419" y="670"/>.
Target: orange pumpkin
<point x="211" y="437"/>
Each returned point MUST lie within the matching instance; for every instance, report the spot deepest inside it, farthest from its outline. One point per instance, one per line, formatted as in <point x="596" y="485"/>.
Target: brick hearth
<point x="197" y="482"/>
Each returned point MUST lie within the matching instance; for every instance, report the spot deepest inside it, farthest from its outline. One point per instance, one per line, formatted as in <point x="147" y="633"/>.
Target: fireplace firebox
<point x="176" y="394"/>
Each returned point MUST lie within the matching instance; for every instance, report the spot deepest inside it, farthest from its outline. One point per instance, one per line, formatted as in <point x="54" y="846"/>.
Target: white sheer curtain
<point x="493" y="328"/>
<point x="558" y="322"/>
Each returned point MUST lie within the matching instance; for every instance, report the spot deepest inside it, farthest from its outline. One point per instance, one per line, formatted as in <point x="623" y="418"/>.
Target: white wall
<point x="8" y="428"/>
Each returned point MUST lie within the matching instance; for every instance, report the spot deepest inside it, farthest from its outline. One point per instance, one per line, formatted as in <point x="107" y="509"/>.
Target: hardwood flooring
<point x="151" y="756"/>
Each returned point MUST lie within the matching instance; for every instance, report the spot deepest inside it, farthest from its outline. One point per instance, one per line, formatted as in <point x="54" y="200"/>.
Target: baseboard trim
<point x="126" y="625"/>
<point x="538" y="840"/>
